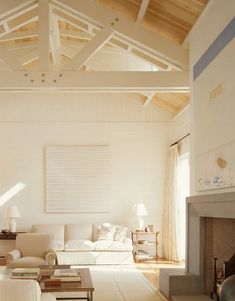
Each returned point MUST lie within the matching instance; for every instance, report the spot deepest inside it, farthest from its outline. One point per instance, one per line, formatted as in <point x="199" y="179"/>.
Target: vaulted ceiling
<point x="104" y="45"/>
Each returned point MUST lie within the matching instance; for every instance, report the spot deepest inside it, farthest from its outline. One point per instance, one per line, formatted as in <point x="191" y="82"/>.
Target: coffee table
<point x="85" y="286"/>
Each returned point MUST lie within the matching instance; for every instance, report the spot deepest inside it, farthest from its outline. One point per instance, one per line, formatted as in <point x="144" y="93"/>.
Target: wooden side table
<point x="141" y="240"/>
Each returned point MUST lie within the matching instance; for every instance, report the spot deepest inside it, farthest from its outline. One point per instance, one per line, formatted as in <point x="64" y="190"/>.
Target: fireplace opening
<point x="219" y="244"/>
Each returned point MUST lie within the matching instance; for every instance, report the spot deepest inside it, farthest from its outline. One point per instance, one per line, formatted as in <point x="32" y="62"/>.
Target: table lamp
<point x="140" y="211"/>
<point x="12" y="213"/>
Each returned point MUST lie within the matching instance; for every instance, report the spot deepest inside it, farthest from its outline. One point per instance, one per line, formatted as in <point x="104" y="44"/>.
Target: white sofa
<point x="79" y="244"/>
<point x="22" y="290"/>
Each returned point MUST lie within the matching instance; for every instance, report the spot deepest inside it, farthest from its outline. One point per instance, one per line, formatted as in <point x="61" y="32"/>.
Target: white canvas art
<point x="78" y="178"/>
<point x="216" y="169"/>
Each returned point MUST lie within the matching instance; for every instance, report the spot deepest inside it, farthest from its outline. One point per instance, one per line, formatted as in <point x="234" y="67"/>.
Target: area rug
<point x="122" y="283"/>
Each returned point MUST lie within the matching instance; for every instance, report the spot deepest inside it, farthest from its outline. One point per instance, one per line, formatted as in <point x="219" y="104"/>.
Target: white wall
<point x="213" y="120"/>
<point x="138" y="140"/>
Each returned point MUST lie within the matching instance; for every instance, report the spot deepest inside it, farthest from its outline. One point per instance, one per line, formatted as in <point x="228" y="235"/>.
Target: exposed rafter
<point x="90" y="49"/>
<point x="14" y="36"/>
<point x="96" y="81"/>
<point x="142" y="11"/>
<point x="15" y="14"/>
<point x="43" y="34"/>
<point x="119" y="42"/>
<point x="148" y="99"/>
<point x="54" y="37"/>
<point x="136" y="35"/>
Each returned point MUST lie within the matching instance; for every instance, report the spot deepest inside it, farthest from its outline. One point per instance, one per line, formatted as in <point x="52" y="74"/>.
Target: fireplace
<point x="203" y="212"/>
<point x="211" y="228"/>
<point x="220" y="244"/>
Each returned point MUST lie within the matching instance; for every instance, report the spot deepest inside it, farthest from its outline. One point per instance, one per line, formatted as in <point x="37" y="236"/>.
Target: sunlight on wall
<point x="11" y="193"/>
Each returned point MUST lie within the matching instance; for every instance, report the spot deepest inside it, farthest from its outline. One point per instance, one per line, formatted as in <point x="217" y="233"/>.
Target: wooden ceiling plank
<point x="164" y="105"/>
<point x="95" y="81"/>
<point x="19" y="45"/>
<point x="29" y="57"/>
<point x="142" y="11"/>
<point x="89" y="49"/>
<point x="173" y="12"/>
<point x="11" y="61"/>
<point x="43" y="34"/>
<point x="136" y="34"/>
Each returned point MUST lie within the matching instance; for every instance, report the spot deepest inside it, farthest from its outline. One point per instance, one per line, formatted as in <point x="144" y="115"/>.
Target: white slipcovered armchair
<point x="32" y="250"/>
<point x="22" y="290"/>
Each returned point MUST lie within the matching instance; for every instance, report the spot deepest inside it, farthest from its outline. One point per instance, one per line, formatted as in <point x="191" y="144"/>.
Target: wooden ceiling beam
<point x="21" y="21"/>
<point x="54" y="37"/>
<point x="43" y="34"/>
<point x="147" y="56"/>
<point x="82" y="35"/>
<point x="95" y="81"/>
<point x="89" y="49"/>
<point x="12" y="9"/>
<point x="149" y="99"/>
<point x="143" y="9"/>
<point x="137" y="36"/>
<point x="19" y="35"/>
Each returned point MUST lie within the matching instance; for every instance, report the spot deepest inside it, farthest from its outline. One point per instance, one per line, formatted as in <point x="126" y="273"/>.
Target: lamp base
<point x="12" y="225"/>
<point x="140" y="225"/>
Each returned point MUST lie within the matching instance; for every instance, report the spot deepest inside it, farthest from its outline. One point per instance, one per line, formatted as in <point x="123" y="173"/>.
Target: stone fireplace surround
<point x="191" y="280"/>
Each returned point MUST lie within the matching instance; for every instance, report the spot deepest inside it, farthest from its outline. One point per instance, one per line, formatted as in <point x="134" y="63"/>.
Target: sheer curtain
<point x="169" y="234"/>
<point x="183" y="191"/>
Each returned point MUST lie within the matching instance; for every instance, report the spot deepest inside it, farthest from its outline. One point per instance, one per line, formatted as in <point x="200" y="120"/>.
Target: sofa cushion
<point x="109" y="245"/>
<point x="56" y="230"/>
<point x="78" y="245"/>
<point x="107" y="232"/>
<point x="78" y="231"/>
<point x="120" y="234"/>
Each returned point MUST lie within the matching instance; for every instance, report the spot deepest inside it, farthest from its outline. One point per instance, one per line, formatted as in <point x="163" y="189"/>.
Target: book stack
<point x="27" y="273"/>
<point x="63" y="275"/>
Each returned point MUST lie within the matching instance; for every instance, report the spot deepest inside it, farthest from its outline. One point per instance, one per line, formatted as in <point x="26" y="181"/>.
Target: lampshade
<point x="140" y="209"/>
<point x="12" y="212"/>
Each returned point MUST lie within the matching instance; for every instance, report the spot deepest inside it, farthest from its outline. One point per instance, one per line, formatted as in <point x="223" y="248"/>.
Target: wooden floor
<point x="150" y="269"/>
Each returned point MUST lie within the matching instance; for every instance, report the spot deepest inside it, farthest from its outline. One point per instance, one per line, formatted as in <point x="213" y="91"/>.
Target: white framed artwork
<point x="78" y="178"/>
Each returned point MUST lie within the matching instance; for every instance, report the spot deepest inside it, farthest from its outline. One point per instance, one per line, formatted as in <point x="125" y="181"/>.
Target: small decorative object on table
<point x="149" y="228"/>
<point x="25" y="273"/>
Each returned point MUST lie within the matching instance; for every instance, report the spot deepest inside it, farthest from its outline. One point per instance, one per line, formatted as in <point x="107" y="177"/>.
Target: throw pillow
<point x="106" y="232"/>
<point x="120" y="234"/>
